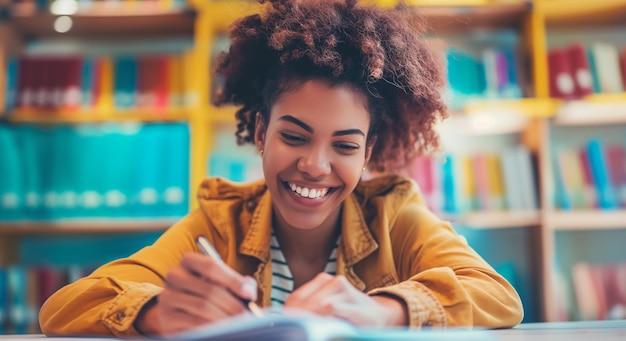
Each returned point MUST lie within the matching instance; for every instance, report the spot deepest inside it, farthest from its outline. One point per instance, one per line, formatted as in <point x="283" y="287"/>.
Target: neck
<point x="308" y="245"/>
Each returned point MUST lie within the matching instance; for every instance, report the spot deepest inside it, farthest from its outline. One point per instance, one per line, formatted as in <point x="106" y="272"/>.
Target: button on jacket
<point x="391" y="244"/>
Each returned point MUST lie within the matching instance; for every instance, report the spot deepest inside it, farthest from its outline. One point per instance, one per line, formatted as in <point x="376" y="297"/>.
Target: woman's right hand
<point x="198" y="291"/>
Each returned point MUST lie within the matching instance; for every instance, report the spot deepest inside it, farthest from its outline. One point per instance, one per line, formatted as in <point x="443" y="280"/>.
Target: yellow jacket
<point x="391" y="243"/>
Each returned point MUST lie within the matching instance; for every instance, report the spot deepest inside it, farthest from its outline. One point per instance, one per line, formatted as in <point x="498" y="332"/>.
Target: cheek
<point x="349" y="170"/>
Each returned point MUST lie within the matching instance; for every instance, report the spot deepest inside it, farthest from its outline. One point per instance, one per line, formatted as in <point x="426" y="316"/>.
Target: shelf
<point x="498" y="219"/>
<point x="600" y="109"/>
<point x="499" y="116"/>
<point x="107" y="19"/>
<point x="88" y="116"/>
<point x="461" y="15"/>
<point x="223" y="13"/>
<point x="85" y="226"/>
<point x="531" y="107"/>
<point x="587" y="220"/>
<point x="483" y="123"/>
<point x="579" y="13"/>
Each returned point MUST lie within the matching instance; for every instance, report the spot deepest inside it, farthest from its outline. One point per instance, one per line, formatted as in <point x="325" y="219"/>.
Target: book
<point x="583" y="80"/>
<point x="297" y="326"/>
<point x="4" y="300"/>
<point x="601" y="174"/>
<point x="561" y="76"/>
<point x="608" y="67"/>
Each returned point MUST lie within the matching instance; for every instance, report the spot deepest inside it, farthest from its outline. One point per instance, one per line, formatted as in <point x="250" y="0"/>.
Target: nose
<point x="315" y="162"/>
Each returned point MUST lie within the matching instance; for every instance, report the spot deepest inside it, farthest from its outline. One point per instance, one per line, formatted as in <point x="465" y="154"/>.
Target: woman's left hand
<point x="329" y="295"/>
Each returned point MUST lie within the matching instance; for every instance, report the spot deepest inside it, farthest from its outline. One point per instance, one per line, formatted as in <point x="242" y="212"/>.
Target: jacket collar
<point x="357" y="241"/>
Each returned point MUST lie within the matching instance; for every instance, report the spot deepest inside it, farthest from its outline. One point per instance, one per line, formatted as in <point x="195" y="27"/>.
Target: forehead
<point x="317" y="103"/>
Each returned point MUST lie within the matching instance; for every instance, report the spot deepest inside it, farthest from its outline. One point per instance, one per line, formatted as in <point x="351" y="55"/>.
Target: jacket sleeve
<point x="443" y="281"/>
<point x="108" y="300"/>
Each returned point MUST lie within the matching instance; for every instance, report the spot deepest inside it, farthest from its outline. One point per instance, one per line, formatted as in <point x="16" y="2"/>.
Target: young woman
<point x="325" y="89"/>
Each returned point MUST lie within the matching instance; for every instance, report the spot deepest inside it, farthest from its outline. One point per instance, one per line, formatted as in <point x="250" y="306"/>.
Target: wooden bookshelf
<point x="581" y="13"/>
<point x="587" y="220"/>
<point x="202" y="20"/>
<point x="85" y="226"/>
<point x="529" y="107"/>
<point x="457" y="16"/>
<point x="498" y="219"/>
<point x="89" y="116"/>
<point x="104" y="19"/>
<point x="599" y="109"/>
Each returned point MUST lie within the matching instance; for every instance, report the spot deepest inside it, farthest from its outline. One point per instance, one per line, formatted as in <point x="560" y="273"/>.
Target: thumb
<point x="249" y="289"/>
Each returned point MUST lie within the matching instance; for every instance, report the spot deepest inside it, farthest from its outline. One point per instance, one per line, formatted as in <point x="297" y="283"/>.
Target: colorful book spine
<point x="583" y="80"/>
<point x="601" y="175"/>
<point x="4" y="301"/>
<point x="561" y="78"/>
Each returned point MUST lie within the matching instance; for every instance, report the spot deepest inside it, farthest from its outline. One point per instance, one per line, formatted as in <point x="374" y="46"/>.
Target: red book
<point x="71" y="98"/>
<point x="583" y="80"/>
<point x="161" y="82"/>
<point x="23" y="88"/>
<point x="622" y="62"/>
<point x="560" y="74"/>
<point x="55" y="85"/>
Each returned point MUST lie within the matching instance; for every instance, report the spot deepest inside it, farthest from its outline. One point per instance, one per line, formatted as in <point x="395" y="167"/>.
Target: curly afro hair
<point x="375" y="50"/>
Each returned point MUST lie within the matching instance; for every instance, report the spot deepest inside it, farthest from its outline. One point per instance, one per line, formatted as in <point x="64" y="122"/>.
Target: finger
<point x="176" y="321"/>
<point x="182" y="281"/>
<point x="311" y="288"/>
<point x="207" y="310"/>
<point x="218" y="272"/>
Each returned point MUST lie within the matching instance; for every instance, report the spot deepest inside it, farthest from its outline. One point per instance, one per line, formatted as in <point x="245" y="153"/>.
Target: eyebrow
<point x="308" y="128"/>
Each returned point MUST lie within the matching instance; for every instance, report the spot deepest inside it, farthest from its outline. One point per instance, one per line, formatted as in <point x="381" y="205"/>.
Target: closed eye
<point x="347" y="146"/>
<point x="291" y="138"/>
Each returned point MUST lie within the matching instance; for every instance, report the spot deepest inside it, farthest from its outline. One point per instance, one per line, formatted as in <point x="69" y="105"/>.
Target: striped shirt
<point x="282" y="280"/>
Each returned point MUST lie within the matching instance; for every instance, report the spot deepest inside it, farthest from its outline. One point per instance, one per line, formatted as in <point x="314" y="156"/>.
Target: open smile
<point x="308" y="192"/>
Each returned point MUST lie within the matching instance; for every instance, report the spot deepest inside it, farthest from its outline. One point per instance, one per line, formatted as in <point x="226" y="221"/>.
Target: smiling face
<point x="314" y="149"/>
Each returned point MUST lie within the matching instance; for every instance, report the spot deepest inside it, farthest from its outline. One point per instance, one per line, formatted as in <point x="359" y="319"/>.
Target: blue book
<point x="176" y="170"/>
<point x="124" y="82"/>
<point x="31" y="144"/>
<point x="11" y="85"/>
<point x="448" y="185"/>
<point x="90" y="170"/>
<point x="601" y="176"/>
<point x="18" y="299"/>
<point x="513" y="89"/>
<point x="11" y="188"/>
<point x="87" y="82"/>
<point x="145" y="200"/>
<point x="4" y="301"/>
<point x="121" y="151"/>
<point x="61" y="198"/>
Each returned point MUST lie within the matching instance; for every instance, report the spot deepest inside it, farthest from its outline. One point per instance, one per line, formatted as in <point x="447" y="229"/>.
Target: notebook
<point x="301" y="327"/>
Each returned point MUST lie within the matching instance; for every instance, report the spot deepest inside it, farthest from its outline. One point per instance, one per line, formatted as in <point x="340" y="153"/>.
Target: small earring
<point x="261" y="152"/>
<point x="363" y="169"/>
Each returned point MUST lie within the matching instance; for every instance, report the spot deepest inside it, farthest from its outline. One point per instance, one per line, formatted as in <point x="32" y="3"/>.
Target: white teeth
<point x="308" y="192"/>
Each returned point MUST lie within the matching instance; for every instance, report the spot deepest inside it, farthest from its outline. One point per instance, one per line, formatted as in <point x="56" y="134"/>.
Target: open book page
<point x="296" y="326"/>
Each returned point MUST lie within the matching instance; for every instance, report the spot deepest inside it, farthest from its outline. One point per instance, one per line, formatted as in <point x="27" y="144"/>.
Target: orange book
<point x="104" y="87"/>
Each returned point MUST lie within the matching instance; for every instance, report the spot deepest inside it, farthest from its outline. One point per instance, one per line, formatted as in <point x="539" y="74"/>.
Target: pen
<point x="208" y="250"/>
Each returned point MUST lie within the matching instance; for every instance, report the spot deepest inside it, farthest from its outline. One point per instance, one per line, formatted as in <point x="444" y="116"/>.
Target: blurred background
<point x="107" y="129"/>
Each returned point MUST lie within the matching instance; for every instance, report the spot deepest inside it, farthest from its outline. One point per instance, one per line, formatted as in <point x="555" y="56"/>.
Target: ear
<point x="259" y="132"/>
